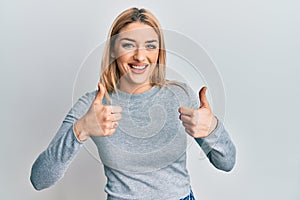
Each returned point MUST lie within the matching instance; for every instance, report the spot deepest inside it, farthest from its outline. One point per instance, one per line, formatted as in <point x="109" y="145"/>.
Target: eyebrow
<point x="132" y="40"/>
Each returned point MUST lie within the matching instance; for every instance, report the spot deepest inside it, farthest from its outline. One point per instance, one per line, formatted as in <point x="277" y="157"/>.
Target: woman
<point x="140" y="128"/>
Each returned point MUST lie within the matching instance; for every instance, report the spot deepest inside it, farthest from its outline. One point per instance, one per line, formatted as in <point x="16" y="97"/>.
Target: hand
<point x="100" y="120"/>
<point x="199" y="122"/>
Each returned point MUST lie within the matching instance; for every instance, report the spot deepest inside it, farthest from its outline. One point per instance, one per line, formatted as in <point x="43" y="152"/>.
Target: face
<point x="136" y="51"/>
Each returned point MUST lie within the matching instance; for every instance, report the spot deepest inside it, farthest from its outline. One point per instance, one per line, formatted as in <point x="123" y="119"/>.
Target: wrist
<point x="80" y="134"/>
<point x="213" y="125"/>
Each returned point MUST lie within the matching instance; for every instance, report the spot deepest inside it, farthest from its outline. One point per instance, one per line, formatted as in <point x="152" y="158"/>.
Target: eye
<point x="151" y="46"/>
<point x="127" y="45"/>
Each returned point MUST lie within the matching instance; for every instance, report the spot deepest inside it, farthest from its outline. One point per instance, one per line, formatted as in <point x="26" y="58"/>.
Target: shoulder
<point x="184" y="92"/>
<point x="88" y="97"/>
<point x="82" y="104"/>
<point x="180" y="87"/>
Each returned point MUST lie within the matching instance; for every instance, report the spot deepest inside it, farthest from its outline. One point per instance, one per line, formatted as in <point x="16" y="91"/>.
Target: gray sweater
<point x="146" y="157"/>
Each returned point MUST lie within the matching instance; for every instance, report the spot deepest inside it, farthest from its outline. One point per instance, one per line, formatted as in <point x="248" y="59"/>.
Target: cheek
<point x="123" y="57"/>
<point x="153" y="57"/>
<point x="121" y="64"/>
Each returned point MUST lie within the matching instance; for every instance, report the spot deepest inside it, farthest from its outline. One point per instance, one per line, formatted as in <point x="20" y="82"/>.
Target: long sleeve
<point x="219" y="148"/>
<point x="53" y="162"/>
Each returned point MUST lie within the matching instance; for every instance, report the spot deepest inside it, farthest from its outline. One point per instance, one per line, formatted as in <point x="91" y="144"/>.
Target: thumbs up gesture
<point x="199" y="122"/>
<point x="100" y="120"/>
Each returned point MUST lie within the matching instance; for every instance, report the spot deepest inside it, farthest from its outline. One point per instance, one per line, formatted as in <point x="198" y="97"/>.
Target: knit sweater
<point x="146" y="156"/>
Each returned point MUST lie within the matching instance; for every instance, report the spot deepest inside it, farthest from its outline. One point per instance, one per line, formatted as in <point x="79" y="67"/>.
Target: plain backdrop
<point x="254" y="44"/>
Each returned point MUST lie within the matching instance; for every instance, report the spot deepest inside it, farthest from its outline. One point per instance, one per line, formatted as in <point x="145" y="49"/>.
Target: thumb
<point x="202" y="97"/>
<point x="101" y="91"/>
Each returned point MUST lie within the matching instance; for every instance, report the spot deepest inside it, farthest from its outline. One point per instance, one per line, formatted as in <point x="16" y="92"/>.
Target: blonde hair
<point x="110" y="73"/>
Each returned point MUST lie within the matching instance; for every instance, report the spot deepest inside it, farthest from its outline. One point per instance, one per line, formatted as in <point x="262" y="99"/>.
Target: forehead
<point x="138" y="31"/>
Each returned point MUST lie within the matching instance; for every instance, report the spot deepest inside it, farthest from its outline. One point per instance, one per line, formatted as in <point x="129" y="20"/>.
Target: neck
<point x="134" y="88"/>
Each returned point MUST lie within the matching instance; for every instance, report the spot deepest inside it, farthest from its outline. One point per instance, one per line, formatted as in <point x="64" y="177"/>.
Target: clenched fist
<point x="199" y="122"/>
<point x="100" y="120"/>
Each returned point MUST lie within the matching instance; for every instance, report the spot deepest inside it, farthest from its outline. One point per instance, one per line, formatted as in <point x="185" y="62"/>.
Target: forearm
<point x="219" y="148"/>
<point x="52" y="163"/>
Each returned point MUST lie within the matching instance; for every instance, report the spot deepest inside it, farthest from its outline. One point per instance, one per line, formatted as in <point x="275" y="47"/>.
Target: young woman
<point x="138" y="120"/>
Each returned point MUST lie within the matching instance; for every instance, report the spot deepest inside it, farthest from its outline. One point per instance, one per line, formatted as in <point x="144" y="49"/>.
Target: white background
<point x="255" y="45"/>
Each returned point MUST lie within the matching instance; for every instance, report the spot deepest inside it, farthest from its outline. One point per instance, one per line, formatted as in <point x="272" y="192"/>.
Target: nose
<point x="139" y="54"/>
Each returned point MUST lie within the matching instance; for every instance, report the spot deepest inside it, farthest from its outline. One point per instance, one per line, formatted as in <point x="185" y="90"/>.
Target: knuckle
<point x="105" y="126"/>
<point x="105" y="133"/>
<point x="107" y="118"/>
<point x="95" y="103"/>
<point x="193" y="123"/>
<point x="108" y="126"/>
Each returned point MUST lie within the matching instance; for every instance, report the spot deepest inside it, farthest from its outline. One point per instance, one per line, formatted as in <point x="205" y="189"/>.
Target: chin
<point x="135" y="81"/>
<point x="139" y="81"/>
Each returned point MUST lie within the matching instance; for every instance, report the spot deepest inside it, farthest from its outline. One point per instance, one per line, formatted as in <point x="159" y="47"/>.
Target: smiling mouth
<point x="139" y="67"/>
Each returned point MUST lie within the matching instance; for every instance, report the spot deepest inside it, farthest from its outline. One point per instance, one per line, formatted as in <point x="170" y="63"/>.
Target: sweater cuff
<point x="74" y="137"/>
<point x="209" y="142"/>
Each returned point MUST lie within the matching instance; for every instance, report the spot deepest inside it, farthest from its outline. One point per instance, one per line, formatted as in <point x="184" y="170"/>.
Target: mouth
<point x="138" y="67"/>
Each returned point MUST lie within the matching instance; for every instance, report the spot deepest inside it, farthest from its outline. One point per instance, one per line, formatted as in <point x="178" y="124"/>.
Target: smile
<point x="138" y="67"/>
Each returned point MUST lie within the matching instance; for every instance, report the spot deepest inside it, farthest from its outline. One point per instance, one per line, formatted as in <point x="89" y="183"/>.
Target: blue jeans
<point x="190" y="196"/>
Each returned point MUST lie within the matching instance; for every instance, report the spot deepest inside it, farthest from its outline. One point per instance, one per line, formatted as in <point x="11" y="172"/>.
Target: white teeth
<point x="138" y="67"/>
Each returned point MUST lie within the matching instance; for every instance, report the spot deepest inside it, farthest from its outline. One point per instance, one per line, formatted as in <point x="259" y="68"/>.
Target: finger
<point x="115" y="125"/>
<point x="112" y="117"/>
<point x="186" y="119"/>
<point x="189" y="131"/>
<point x="186" y="125"/>
<point x="107" y="118"/>
<point x="109" y="125"/>
<point x="116" y="109"/>
<point x="101" y="91"/>
<point x="116" y="117"/>
<point x="186" y="111"/>
<point x="202" y="97"/>
<point x="109" y="132"/>
<point x="112" y="109"/>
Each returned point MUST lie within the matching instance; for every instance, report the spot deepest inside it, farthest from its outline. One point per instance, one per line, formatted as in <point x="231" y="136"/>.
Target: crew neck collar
<point x="123" y="95"/>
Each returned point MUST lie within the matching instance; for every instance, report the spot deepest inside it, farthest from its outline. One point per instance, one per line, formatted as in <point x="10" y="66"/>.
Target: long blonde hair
<point x="110" y="74"/>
